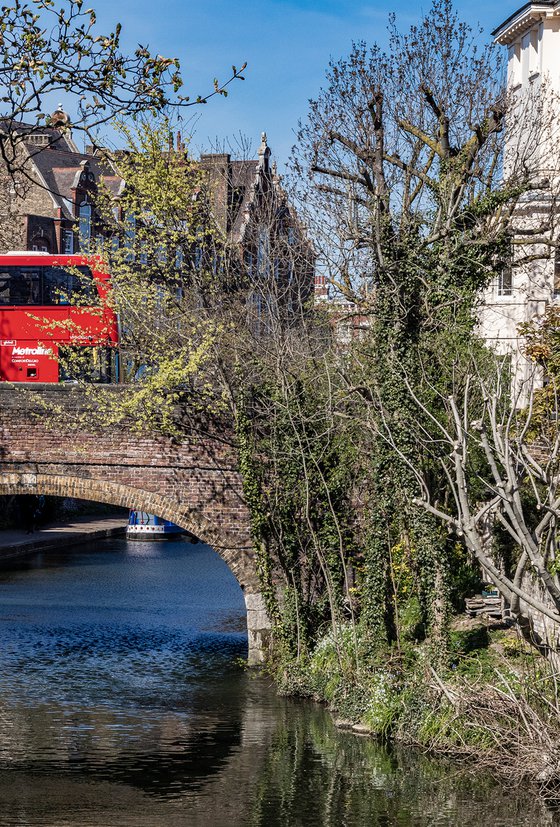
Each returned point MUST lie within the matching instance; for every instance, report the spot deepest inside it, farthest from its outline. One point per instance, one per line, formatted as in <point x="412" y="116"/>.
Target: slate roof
<point x="56" y="137"/>
<point x="59" y="164"/>
<point x="60" y="168"/>
<point x="58" y="161"/>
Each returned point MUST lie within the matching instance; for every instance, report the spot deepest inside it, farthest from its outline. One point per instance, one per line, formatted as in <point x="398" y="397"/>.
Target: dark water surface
<point x="122" y="702"/>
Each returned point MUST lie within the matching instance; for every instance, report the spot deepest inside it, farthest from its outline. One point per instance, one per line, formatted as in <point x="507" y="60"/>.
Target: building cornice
<point x="521" y="20"/>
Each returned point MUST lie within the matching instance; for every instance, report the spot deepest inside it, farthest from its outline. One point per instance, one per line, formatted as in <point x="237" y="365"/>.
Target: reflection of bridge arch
<point x="195" y="483"/>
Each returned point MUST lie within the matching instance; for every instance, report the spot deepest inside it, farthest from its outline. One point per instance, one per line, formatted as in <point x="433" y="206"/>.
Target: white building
<point x="519" y="292"/>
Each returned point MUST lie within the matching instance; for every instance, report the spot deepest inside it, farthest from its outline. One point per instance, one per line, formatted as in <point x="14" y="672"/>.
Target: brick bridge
<point x="195" y="483"/>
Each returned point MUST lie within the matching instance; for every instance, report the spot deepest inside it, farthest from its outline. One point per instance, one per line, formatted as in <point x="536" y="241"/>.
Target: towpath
<point x="16" y="543"/>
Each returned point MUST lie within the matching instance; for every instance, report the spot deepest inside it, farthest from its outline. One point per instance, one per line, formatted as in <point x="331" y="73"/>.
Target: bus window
<point x="68" y="287"/>
<point x="4" y="287"/>
<point x="56" y="287"/>
<point x="87" y="364"/>
<point x="25" y="285"/>
<point x="46" y="286"/>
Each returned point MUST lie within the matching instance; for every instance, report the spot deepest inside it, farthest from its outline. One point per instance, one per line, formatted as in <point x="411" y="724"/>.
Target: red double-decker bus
<point x="51" y="307"/>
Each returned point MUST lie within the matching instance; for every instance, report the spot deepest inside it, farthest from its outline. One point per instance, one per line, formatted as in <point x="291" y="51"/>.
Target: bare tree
<point x="501" y="468"/>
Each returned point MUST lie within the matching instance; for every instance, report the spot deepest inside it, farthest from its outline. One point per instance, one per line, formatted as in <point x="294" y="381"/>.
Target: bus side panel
<point x="30" y="335"/>
<point x="28" y="361"/>
<point x="38" y="323"/>
<point x="84" y="326"/>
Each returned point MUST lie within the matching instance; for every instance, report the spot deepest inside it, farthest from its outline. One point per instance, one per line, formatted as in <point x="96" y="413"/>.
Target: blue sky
<point x="286" y="43"/>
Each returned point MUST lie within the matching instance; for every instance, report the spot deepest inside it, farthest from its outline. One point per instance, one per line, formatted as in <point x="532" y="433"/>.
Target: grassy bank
<point x="493" y="699"/>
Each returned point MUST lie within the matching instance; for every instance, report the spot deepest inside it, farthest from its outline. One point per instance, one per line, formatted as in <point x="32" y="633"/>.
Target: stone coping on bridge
<point x="63" y="534"/>
<point x="13" y="392"/>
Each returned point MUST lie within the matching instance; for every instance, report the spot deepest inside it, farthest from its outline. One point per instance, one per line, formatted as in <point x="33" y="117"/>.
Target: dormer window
<point x="67" y="242"/>
<point x="87" y="178"/>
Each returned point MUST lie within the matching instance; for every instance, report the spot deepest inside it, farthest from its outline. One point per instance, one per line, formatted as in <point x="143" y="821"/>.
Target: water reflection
<point x="122" y="703"/>
<point x="315" y="775"/>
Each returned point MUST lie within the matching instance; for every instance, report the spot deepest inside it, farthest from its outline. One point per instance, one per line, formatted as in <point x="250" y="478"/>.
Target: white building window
<point x="505" y="280"/>
<point x="514" y="64"/>
<point x="535" y="51"/>
<point x="556" y="288"/>
<point x="525" y="50"/>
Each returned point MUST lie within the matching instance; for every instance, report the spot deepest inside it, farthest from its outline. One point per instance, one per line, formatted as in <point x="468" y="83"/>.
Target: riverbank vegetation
<point x="495" y="703"/>
<point x="389" y="472"/>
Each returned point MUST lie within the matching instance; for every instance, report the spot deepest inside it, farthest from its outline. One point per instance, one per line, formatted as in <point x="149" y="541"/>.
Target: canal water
<point x="124" y="701"/>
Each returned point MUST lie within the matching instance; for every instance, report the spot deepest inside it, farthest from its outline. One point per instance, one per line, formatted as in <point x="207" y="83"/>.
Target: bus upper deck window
<point x="21" y="285"/>
<point x="25" y="286"/>
<point x="4" y="288"/>
<point x="55" y="286"/>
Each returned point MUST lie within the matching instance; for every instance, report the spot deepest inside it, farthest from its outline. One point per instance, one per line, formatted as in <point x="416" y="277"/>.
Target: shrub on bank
<point x="497" y="700"/>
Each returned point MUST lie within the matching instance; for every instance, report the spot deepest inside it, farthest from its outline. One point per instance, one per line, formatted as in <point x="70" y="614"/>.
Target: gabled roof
<point x="61" y="170"/>
<point x="57" y="160"/>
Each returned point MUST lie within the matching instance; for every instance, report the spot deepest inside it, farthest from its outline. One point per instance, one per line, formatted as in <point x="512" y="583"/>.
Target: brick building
<point x="52" y="207"/>
<point x="252" y="209"/>
<point x="47" y="205"/>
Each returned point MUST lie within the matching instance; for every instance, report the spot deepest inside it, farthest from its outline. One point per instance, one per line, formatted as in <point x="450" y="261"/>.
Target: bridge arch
<point x="238" y="558"/>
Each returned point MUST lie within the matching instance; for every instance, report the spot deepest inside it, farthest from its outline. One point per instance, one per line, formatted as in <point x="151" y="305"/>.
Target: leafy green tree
<point x="153" y="226"/>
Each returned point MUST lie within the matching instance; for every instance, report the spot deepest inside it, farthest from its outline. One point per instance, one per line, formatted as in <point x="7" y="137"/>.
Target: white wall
<point x="532" y="143"/>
